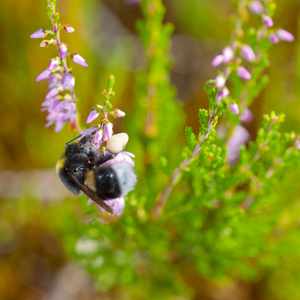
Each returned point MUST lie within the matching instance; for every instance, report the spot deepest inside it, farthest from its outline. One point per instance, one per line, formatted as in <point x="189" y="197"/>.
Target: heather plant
<point x="205" y="216"/>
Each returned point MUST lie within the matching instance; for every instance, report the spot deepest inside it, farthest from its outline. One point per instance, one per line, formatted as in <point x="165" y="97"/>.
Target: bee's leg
<point x="101" y="159"/>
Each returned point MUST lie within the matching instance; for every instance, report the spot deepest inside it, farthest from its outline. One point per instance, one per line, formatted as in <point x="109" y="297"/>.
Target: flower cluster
<point x="233" y="55"/>
<point x="239" y="58"/>
<point x="60" y="100"/>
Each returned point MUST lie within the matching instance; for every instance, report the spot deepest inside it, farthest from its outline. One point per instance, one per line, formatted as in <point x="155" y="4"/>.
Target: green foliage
<point x="221" y="222"/>
<point x="203" y="119"/>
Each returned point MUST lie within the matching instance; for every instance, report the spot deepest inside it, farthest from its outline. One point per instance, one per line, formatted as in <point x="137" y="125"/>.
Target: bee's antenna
<point x="86" y="138"/>
<point x="74" y="139"/>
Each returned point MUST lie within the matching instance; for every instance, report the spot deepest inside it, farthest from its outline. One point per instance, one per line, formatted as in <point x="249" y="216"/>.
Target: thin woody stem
<point x="163" y="197"/>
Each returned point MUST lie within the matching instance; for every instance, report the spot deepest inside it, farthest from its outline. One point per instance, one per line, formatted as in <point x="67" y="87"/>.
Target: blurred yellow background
<point x="32" y="263"/>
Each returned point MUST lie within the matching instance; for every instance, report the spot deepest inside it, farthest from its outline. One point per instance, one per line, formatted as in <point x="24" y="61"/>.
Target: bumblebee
<point x="83" y="168"/>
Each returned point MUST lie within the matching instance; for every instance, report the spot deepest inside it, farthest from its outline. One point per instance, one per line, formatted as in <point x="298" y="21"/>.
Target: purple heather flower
<point x="243" y="73"/>
<point x="246" y="116"/>
<point x="77" y="59"/>
<point x="247" y="52"/>
<point x="234" y="108"/>
<point x="69" y="29"/>
<point x="107" y="131"/>
<point x="96" y="141"/>
<point x="41" y="33"/>
<point x="53" y="92"/>
<point x="43" y="75"/>
<point x="117" y="205"/>
<point x="223" y="93"/>
<point x="285" y="35"/>
<point x="68" y="81"/>
<point x="217" y="60"/>
<point x="94" y="114"/>
<point x="256" y="7"/>
<point x="49" y="104"/>
<point x="273" y="38"/>
<point x="122" y="157"/>
<point x="239" y="137"/>
<point x="63" y="49"/>
<point x="267" y="20"/>
<point x="53" y="81"/>
<point x="88" y="130"/>
<point x="54" y="62"/>
<point x="61" y="113"/>
<point x="227" y="54"/>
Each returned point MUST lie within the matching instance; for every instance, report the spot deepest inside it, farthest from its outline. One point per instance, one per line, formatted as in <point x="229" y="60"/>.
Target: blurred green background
<point x="32" y="262"/>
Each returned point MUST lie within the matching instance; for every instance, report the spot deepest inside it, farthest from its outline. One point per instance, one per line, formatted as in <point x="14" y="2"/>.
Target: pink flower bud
<point x="53" y="64"/>
<point x="94" y="114"/>
<point x="246" y="116"/>
<point x="119" y="113"/>
<point x="53" y="92"/>
<point x="285" y="35"/>
<point x="69" y="29"/>
<point x="267" y="21"/>
<point x="243" y="73"/>
<point x="41" y="33"/>
<point x="217" y="60"/>
<point x="256" y="7"/>
<point x="247" y="52"/>
<point x="77" y="59"/>
<point x="220" y="81"/>
<point x="107" y="131"/>
<point x="63" y="49"/>
<point x="223" y="93"/>
<point x="234" y="108"/>
<point x="43" y="75"/>
<point x="227" y="54"/>
<point x="273" y="38"/>
<point x="68" y="81"/>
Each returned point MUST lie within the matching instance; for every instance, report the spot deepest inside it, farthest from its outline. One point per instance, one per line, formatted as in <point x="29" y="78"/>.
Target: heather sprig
<point x="243" y="60"/>
<point x="60" y="101"/>
<point x="105" y="127"/>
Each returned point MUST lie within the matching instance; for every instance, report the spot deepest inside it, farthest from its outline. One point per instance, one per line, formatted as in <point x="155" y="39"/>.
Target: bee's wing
<point x="91" y="194"/>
